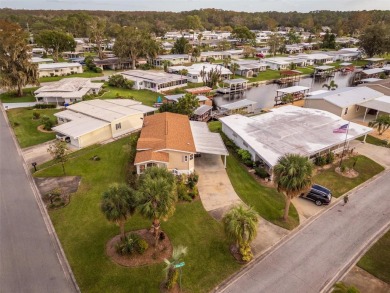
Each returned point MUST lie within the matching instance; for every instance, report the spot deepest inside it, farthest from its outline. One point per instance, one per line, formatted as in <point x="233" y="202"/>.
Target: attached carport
<point x="207" y="142"/>
<point x="380" y="105"/>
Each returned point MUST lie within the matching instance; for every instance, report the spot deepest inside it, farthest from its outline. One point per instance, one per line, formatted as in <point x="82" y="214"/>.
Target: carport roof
<point x="381" y="104"/>
<point x="207" y="142"/>
<point x="79" y="127"/>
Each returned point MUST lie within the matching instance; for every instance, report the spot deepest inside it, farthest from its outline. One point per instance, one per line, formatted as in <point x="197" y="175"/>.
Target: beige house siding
<point x="323" y="105"/>
<point x="353" y="112"/>
<point x="127" y="124"/>
<point x="60" y="71"/>
<point x="177" y="161"/>
<point x="96" y="136"/>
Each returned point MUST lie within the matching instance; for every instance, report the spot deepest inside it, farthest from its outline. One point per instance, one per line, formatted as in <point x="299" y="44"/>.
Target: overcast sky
<point x="185" y="5"/>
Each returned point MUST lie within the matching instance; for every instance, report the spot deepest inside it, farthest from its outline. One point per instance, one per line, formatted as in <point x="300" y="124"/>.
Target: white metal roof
<point x="381" y="104"/>
<point x="51" y="66"/>
<point x="196" y="68"/>
<point x="293" y="89"/>
<point x="314" y="93"/>
<point x="79" y="127"/>
<point x="176" y="98"/>
<point x="374" y="59"/>
<point x="371" y="79"/>
<point x="235" y="81"/>
<point x="372" y="71"/>
<point x="70" y="115"/>
<point x="352" y="97"/>
<point x="124" y="102"/>
<point x="202" y="109"/>
<point x="143" y="108"/>
<point x="154" y="76"/>
<point x="206" y="141"/>
<point x="324" y="67"/>
<point x="291" y="129"/>
<point x="345" y="64"/>
<point x="238" y="104"/>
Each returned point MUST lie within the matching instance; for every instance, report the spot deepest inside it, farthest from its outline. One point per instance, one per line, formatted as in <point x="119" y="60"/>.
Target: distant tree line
<point x="83" y="23"/>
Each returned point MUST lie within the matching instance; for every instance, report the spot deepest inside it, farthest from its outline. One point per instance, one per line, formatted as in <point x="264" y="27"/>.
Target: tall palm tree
<point x="157" y="196"/>
<point x="331" y="86"/>
<point x="341" y="287"/>
<point x="240" y="224"/>
<point x="293" y="175"/>
<point x="382" y="123"/>
<point x="119" y="202"/>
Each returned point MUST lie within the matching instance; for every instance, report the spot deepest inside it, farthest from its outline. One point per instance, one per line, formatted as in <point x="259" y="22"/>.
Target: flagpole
<point x="345" y="142"/>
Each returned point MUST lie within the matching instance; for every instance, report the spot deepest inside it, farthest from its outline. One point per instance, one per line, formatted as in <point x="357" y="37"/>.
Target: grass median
<point x="84" y="232"/>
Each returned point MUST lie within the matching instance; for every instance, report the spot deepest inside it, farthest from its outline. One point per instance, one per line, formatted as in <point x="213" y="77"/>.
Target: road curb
<point x="46" y="218"/>
<point x="231" y="279"/>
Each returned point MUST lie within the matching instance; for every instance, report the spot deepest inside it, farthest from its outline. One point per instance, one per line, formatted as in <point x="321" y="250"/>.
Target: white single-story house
<point x="217" y="55"/>
<point x="241" y="106"/>
<point x="157" y="81"/>
<point x="39" y="60"/>
<point x="316" y="58"/>
<point x="234" y="54"/>
<point x="59" y="69"/>
<point x="249" y="67"/>
<point x="350" y="102"/>
<point x="90" y="122"/>
<point x="72" y="55"/>
<point x="195" y="71"/>
<point x="174" y="59"/>
<point x="66" y="91"/>
<point x="277" y="63"/>
<point x="289" y="129"/>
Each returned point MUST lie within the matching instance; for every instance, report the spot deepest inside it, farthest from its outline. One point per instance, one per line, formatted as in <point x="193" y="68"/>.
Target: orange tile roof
<point x="166" y="131"/>
<point x="146" y="156"/>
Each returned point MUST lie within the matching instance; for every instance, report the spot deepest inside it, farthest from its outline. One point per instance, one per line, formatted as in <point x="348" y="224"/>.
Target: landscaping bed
<point x="84" y="231"/>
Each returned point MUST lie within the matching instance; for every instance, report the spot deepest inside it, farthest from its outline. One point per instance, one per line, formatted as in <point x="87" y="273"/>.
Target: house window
<point x="346" y="111"/>
<point x="185" y="158"/>
<point x="118" y="126"/>
<point x="357" y="108"/>
<point x="191" y="157"/>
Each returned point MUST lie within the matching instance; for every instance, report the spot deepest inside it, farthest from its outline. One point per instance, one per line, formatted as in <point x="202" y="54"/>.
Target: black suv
<point x="319" y="194"/>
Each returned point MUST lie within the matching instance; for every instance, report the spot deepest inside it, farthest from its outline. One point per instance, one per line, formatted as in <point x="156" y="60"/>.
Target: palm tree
<point x="341" y="287"/>
<point x="118" y="204"/>
<point x="240" y="225"/>
<point x="292" y="177"/>
<point x="183" y="72"/>
<point x="166" y="64"/>
<point x="200" y="36"/>
<point x="157" y="193"/>
<point x="331" y="86"/>
<point x="171" y="270"/>
<point x="226" y="62"/>
<point x="381" y="123"/>
<point x="234" y="67"/>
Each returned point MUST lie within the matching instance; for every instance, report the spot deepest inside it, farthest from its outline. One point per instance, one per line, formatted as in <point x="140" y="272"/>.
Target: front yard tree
<point x="180" y="46"/>
<point x="16" y="69"/>
<point x="187" y="104"/>
<point x="157" y="193"/>
<point x="97" y="33"/>
<point x="381" y="123"/>
<point x="375" y="40"/>
<point x="57" y="41"/>
<point x="293" y="176"/>
<point x="58" y="151"/>
<point x="240" y="225"/>
<point x="274" y="43"/>
<point x="243" y="34"/>
<point x="135" y="43"/>
<point x="118" y="204"/>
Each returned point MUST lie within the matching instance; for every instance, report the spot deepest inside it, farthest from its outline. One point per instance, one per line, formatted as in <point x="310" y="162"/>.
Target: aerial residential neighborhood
<point x="195" y="146"/>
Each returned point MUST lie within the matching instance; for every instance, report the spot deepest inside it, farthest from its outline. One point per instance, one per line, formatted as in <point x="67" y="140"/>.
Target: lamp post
<point x="34" y="164"/>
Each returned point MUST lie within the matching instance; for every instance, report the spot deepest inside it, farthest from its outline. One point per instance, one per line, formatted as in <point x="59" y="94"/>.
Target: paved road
<point x="317" y="253"/>
<point x="28" y="260"/>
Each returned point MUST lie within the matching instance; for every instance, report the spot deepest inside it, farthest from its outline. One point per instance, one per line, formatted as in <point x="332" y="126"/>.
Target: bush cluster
<point x="131" y="244"/>
<point x="47" y="123"/>
<point x="119" y="81"/>
<point x="45" y="106"/>
<point x="245" y="157"/>
<point x="91" y="66"/>
<point x="186" y="187"/>
<point x="324" y="160"/>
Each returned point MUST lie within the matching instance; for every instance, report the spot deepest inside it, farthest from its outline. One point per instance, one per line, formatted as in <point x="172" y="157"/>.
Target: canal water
<point x="264" y="95"/>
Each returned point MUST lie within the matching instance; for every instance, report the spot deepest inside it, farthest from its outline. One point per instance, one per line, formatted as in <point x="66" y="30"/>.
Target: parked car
<point x="63" y="137"/>
<point x="318" y="194"/>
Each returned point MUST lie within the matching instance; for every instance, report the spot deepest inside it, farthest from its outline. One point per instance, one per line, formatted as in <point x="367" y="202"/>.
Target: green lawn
<point x="340" y="184"/>
<point x="275" y="74"/>
<point x="266" y="201"/>
<point x="145" y="96"/>
<point x="84" y="232"/>
<point x="26" y="132"/>
<point x="10" y="97"/>
<point x="376" y="261"/>
<point x="56" y="78"/>
<point x="375" y="141"/>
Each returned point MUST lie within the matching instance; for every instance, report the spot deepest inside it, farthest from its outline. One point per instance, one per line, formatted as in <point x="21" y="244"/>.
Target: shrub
<point x="261" y="172"/>
<point x="246" y="252"/>
<point x="192" y="180"/>
<point x="130" y="244"/>
<point x="172" y="277"/>
<point x="320" y="161"/>
<point x="36" y="115"/>
<point x="51" y="74"/>
<point x="16" y="124"/>
<point x="343" y="168"/>
<point x="119" y="81"/>
<point x="47" y="123"/>
<point x="245" y="157"/>
<point x="330" y="158"/>
<point x="182" y="192"/>
<point x="98" y="70"/>
<point x="44" y="106"/>
<point x="194" y="192"/>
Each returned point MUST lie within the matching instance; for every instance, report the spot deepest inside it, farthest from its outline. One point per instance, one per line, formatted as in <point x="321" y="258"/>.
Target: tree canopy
<point x="243" y="34"/>
<point x="16" y="69"/>
<point x="375" y="40"/>
<point x="181" y="46"/>
<point x="57" y="41"/>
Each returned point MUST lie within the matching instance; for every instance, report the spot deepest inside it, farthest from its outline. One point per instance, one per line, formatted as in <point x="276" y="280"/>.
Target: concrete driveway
<point x="379" y="154"/>
<point x="215" y="190"/>
<point x="37" y="153"/>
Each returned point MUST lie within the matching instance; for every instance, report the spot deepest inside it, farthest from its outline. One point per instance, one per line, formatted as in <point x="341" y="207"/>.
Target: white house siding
<point x="127" y="124"/>
<point x="94" y="137"/>
<point x="237" y="140"/>
<point x="60" y="71"/>
<point x="321" y="104"/>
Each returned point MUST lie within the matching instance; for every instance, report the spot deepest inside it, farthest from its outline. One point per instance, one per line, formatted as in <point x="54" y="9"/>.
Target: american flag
<point x="341" y="129"/>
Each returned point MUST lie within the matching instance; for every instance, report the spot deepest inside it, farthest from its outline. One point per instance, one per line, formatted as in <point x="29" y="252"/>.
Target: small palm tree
<point x="226" y="62"/>
<point x="341" y="287"/>
<point x="171" y="270"/>
<point x="183" y="72"/>
<point x="381" y="123"/>
<point x="240" y="225"/>
<point x="118" y="204"/>
<point x="157" y="196"/>
<point x="234" y="67"/>
<point x="331" y="86"/>
<point x="288" y="98"/>
<point x="293" y="176"/>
